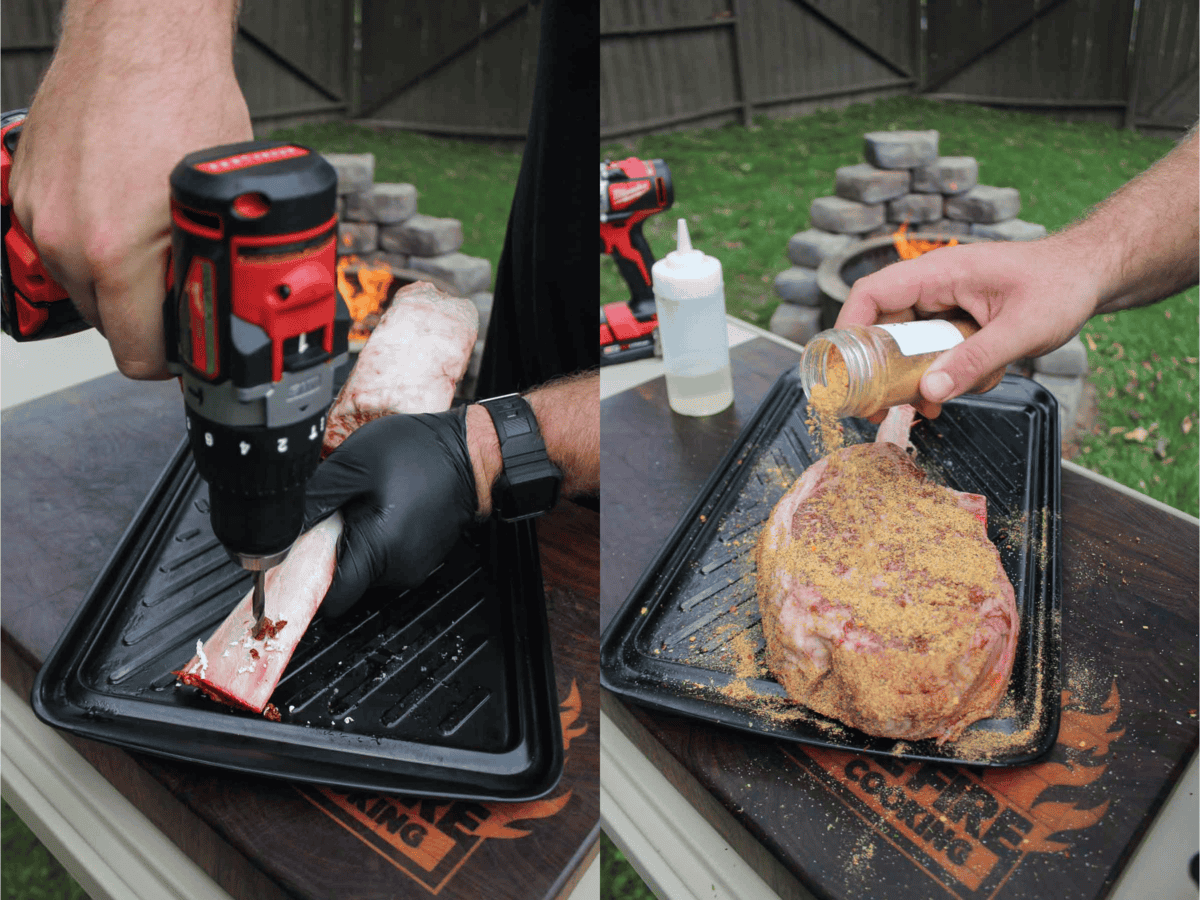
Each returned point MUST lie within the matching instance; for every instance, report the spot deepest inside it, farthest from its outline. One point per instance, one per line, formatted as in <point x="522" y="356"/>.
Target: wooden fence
<point x="467" y="66"/>
<point x="292" y="57"/>
<point x="666" y="64"/>
<point x="1093" y="59"/>
<point x="463" y="68"/>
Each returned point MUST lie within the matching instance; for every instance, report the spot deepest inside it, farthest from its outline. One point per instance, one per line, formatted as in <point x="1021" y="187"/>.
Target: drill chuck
<point x="256" y="500"/>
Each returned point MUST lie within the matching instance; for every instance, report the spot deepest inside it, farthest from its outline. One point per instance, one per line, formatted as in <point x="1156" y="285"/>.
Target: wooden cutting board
<point x="75" y="467"/>
<point x="851" y="826"/>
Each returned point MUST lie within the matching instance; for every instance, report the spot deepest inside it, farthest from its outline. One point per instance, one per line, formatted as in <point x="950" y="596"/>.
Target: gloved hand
<point x="406" y="489"/>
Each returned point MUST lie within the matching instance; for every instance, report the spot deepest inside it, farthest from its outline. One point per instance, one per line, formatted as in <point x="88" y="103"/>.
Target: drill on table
<point x="254" y="327"/>
<point x="631" y="190"/>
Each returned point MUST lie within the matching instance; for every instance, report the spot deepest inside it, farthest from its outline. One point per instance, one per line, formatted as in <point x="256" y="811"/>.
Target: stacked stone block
<point x="903" y="180"/>
<point x="380" y="223"/>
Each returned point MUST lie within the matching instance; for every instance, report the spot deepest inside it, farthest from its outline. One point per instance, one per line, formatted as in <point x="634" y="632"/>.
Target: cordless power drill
<point x="631" y="191"/>
<point x="254" y="327"/>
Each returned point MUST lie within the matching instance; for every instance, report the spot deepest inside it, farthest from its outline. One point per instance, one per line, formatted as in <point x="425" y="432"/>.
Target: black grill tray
<point x="1003" y="444"/>
<point x="446" y="690"/>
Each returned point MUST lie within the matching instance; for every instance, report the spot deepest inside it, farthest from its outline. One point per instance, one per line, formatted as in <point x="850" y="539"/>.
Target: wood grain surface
<point x="850" y="826"/>
<point x="75" y="467"/>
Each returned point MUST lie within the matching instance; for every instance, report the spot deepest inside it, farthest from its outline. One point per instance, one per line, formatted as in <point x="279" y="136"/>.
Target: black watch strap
<point x="528" y="485"/>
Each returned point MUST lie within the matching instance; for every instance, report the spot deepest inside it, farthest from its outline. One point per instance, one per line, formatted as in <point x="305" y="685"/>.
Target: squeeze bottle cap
<point x="683" y="240"/>
<point x="685" y="273"/>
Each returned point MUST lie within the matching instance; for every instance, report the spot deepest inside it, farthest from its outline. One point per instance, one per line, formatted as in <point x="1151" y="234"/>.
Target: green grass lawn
<point x="744" y="193"/>
<point x="30" y="871"/>
<point x="618" y="880"/>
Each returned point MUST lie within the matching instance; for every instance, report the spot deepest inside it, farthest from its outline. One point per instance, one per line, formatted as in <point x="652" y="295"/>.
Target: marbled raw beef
<point x="411" y="363"/>
<point x="883" y="602"/>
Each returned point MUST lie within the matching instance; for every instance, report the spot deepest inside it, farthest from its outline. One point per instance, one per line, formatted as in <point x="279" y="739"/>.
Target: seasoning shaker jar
<point x="689" y="293"/>
<point x="863" y="369"/>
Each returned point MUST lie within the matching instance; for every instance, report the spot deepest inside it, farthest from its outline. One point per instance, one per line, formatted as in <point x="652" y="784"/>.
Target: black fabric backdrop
<point x="545" y="310"/>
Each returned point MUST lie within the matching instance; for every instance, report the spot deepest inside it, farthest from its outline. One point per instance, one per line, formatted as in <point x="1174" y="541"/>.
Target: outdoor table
<point x="76" y="466"/>
<point x="678" y="793"/>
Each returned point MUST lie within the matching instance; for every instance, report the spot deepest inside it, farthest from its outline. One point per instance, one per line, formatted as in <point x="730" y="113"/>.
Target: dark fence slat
<point x="482" y="86"/>
<point x="1163" y="87"/>
<point x="741" y="51"/>
<point x="679" y="28"/>
<point x="444" y="36"/>
<point x="291" y="67"/>
<point x="1185" y="81"/>
<point x="1031" y="102"/>
<point x="1016" y="18"/>
<point x="850" y="34"/>
<point x="28" y="31"/>
<point x="867" y="87"/>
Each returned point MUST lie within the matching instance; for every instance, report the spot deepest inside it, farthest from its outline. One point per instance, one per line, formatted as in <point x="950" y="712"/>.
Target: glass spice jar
<point x="862" y="369"/>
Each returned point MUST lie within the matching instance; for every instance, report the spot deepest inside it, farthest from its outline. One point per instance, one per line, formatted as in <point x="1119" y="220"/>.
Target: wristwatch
<point x="528" y="485"/>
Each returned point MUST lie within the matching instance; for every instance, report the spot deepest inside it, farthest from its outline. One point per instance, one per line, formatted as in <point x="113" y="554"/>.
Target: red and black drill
<point x="254" y="327"/>
<point x="631" y="190"/>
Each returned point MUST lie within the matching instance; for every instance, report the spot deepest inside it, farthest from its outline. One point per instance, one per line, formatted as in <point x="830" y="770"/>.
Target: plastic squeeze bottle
<point x="689" y="291"/>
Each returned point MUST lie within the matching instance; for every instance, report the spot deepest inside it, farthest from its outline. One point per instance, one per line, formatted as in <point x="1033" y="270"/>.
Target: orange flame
<point x="911" y="249"/>
<point x="503" y="814"/>
<point x="368" y="296"/>
<point x="1079" y="731"/>
<point x="571" y="709"/>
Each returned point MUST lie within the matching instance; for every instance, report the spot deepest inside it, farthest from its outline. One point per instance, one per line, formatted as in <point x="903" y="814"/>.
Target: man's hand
<point x="1027" y="297"/>
<point x="134" y="87"/>
<point x="1136" y="247"/>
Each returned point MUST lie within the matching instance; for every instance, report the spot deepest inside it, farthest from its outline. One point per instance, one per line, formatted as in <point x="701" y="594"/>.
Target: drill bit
<point x="260" y="595"/>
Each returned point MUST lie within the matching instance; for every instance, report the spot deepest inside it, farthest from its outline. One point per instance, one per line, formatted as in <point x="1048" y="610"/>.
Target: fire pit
<point x="368" y="288"/>
<point x="836" y="274"/>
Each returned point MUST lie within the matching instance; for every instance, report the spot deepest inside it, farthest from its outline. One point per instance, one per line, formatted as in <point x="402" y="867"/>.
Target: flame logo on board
<point x="969" y="830"/>
<point x="430" y="839"/>
<point x="1090" y="737"/>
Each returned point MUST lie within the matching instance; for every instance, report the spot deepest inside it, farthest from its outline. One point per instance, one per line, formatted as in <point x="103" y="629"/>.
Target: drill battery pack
<point x="624" y="337"/>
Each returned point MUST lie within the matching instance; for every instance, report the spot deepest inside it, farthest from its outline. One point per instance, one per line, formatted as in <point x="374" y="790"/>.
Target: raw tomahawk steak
<point x="884" y="604"/>
<point x="411" y="363"/>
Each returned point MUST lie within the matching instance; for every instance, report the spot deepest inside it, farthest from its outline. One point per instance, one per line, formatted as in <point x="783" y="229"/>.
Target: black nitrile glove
<point x="406" y="489"/>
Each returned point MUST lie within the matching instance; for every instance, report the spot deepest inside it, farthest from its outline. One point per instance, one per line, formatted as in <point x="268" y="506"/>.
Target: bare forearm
<point x="568" y="414"/>
<point x="123" y="26"/>
<point x="1142" y="242"/>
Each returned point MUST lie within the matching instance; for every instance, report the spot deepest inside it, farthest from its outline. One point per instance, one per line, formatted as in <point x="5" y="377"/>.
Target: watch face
<point x="531" y="495"/>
